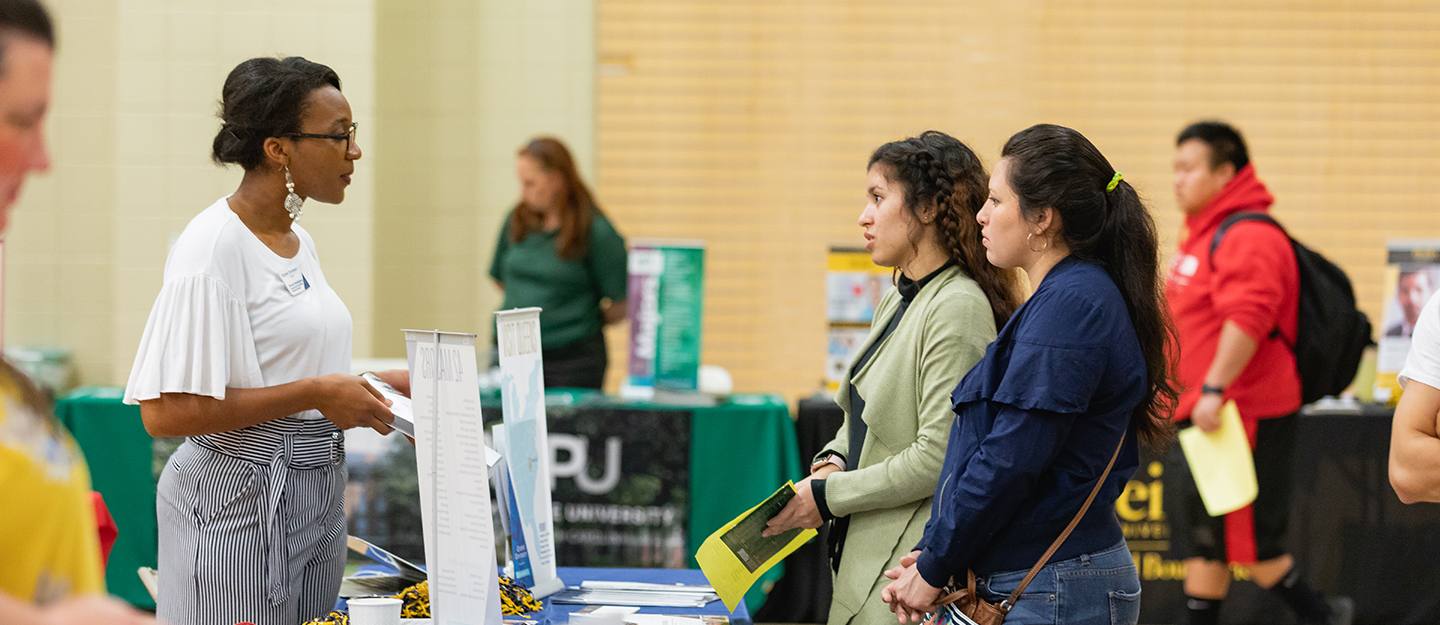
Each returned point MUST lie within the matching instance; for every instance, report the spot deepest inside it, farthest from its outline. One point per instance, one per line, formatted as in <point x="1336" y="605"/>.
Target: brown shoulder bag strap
<point x="1009" y="602"/>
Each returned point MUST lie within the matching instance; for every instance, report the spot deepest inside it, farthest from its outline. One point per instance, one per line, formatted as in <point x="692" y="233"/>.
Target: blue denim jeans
<point x="1099" y="588"/>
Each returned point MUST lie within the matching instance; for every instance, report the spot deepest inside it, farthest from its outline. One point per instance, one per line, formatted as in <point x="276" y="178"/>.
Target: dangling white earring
<point x="293" y="202"/>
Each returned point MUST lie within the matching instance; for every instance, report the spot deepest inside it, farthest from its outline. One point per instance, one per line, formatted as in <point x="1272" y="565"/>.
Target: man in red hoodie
<point x="1236" y="317"/>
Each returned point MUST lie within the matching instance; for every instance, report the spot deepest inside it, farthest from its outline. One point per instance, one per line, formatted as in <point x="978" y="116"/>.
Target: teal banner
<point x="666" y="304"/>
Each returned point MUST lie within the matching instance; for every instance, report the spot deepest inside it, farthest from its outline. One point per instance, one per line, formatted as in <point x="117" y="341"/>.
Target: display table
<point x="803" y="594"/>
<point x="639" y="465"/>
<point x="650" y="481"/>
<point x="118" y="452"/>
<point x="1349" y="532"/>
<point x="559" y="614"/>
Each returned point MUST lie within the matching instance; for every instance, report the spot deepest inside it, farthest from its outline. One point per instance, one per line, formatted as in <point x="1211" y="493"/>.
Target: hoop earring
<point x="293" y="202"/>
<point x="1027" y="244"/>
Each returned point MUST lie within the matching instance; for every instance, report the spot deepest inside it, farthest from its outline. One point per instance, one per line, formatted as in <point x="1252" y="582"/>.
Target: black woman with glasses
<point x="247" y="353"/>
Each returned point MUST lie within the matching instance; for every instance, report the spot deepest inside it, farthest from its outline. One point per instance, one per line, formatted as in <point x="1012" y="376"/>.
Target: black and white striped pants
<point x="252" y="525"/>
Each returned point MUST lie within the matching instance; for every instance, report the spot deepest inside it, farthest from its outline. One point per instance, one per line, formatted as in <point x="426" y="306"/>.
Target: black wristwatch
<point x="1208" y="389"/>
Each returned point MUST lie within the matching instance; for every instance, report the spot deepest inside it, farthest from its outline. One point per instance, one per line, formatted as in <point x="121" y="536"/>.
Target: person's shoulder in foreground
<point x="1414" y="439"/>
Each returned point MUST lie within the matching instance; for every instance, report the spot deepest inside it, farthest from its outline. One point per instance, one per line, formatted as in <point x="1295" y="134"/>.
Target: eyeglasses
<point x="347" y="137"/>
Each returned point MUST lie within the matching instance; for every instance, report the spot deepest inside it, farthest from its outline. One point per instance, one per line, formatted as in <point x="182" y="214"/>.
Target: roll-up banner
<point x="454" y="479"/>
<point x="527" y="448"/>
<point x="666" y="303"/>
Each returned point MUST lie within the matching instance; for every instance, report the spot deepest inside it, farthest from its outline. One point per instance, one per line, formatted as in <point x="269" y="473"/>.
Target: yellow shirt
<point x="49" y="547"/>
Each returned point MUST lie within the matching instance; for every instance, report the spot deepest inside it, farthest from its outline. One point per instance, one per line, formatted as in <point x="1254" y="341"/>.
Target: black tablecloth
<point x="802" y="595"/>
<point x="1349" y="532"/>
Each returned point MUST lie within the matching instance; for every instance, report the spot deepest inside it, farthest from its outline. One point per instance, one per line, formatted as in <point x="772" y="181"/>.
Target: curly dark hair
<point x="264" y="97"/>
<point x="945" y="185"/>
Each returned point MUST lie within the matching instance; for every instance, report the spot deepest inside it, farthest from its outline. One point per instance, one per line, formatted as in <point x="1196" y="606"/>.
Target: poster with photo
<point x="1412" y="276"/>
<point x="854" y="286"/>
<point x="844" y="342"/>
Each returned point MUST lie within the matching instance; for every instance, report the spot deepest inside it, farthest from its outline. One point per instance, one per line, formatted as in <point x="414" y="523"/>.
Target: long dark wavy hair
<point x="1058" y="168"/>
<point x="945" y="186"/>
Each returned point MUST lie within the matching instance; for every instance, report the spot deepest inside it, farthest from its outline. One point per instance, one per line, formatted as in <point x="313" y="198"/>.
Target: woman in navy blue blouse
<point x="1081" y="365"/>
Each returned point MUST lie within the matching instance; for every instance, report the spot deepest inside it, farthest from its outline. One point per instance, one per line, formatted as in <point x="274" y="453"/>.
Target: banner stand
<point x="454" y="500"/>
<point x="527" y="448"/>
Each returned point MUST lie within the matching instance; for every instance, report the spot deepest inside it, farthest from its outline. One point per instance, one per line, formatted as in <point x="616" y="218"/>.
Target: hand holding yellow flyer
<point x="738" y="554"/>
<point x="1221" y="462"/>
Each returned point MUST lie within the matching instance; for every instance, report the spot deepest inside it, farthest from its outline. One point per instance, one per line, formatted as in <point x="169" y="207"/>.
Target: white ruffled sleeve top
<point x="225" y="317"/>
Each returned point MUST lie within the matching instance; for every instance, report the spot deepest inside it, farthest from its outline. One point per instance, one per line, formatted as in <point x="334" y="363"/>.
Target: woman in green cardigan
<point x="874" y="481"/>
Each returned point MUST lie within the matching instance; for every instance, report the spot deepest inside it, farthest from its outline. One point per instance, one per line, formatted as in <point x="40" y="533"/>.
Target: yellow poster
<point x="737" y="554"/>
<point x="854" y="286"/>
<point x="1221" y="462"/>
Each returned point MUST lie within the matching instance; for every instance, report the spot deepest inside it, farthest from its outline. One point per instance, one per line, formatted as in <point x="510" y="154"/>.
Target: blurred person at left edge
<point x="50" y="564"/>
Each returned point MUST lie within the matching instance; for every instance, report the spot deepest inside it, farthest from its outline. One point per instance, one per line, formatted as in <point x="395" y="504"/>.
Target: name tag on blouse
<point x="295" y="281"/>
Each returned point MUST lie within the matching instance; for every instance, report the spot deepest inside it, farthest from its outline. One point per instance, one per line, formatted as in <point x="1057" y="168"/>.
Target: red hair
<point x="577" y="208"/>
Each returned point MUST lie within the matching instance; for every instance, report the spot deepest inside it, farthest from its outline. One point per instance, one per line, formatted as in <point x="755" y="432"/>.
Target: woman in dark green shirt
<point x="557" y="251"/>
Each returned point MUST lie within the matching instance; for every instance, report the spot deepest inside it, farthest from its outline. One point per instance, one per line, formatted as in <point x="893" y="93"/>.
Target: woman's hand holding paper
<point x="800" y="512"/>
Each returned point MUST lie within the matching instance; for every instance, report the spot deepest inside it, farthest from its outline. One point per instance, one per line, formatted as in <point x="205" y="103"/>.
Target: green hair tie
<point x="1114" y="182"/>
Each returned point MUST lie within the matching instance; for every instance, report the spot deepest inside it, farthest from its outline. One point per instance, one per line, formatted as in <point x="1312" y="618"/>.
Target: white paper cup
<point x="375" y="611"/>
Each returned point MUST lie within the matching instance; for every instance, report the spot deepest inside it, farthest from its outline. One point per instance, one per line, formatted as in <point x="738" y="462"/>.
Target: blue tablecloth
<point x="559" y="614"/>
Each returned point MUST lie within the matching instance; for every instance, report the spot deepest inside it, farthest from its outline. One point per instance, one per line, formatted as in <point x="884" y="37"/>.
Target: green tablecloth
<point x="741" y="451"/>
<point x="120" y="455"/>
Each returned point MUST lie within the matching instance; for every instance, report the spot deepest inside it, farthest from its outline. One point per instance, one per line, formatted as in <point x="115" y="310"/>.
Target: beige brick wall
<point x="136" y="88"/>
<point x="748" y="123"/>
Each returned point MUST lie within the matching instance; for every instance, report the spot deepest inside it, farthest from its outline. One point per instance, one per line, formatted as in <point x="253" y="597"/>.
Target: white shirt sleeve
<point x="198" y="340"/>
<point x="1422" y="364"/>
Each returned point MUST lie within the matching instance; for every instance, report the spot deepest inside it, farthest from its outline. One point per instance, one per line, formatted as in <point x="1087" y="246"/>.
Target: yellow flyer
<point x="736" y="555"/>
<point x="1221" y="462"/>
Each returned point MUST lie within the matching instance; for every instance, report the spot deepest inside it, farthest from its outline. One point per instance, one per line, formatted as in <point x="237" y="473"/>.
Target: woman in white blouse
<point x="247" y="353"/>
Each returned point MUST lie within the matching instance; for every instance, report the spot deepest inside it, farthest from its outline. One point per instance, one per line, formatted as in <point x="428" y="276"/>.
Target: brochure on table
<point x="454" y="484"/>
<point x="517" y="565"/>
<point x="527" y="449"/>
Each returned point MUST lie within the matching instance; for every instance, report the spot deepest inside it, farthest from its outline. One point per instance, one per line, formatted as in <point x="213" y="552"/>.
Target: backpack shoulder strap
<point x="1220" y="234"/>
<point x="1235" y="219"/>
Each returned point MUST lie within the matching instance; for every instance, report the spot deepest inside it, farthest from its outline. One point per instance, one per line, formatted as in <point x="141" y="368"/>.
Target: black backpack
<point x="1333" y="333"/>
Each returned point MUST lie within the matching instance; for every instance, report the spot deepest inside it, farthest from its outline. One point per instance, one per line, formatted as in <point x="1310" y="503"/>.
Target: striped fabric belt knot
<point x="277" y="447"/>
